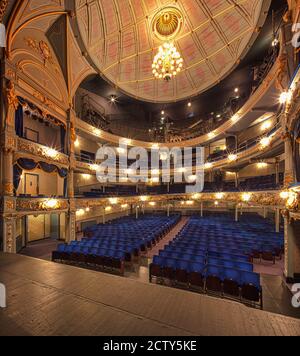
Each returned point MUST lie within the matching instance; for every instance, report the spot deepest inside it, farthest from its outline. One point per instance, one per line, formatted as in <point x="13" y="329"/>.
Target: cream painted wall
<point x="86" y="145"/>
<point x="48" y="136"/>
<point x="97" y="215"/>
<point x="254" y="131"/>
<point x="49" y="184"/>
<point x="39" y="227"/>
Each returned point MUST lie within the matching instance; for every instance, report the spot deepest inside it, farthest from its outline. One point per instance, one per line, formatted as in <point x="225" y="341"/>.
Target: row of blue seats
<point x="211" y="253"/>
<point x="222" y="272"/>
<point x="207" y="260"/>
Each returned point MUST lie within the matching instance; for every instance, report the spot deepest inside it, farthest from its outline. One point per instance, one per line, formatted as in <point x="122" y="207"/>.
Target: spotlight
<point x="113" y="99"/>
<point x="275" y="42"/>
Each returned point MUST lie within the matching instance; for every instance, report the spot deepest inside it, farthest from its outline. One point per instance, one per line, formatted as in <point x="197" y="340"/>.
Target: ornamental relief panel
<point x="42" y="152"/>
<point x="41" y="205"/>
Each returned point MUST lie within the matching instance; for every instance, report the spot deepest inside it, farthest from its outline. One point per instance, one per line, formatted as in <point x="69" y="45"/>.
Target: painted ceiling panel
<point x="121" y="42"/>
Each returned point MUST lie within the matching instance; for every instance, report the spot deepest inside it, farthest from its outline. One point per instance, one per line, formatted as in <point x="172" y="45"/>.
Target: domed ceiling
<point x="122" y="37"/>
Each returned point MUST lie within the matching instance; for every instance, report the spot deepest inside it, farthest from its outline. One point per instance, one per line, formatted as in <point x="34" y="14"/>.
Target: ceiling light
<point x="50" y="152"/>
<point x="246" y="197"/>
<point x="266" y="125"/>
<point x="113" y="98"/>
<point x="162" y="113"/>
<point x="262" y="165"/>
<point x="236" y="90"/>
<point x="80" y="212"/>
<point x="265" y="142"/>
<point x="113" y="201"/>
<point x="211" y="135"/>
<point x="108" y="208"/>
<point x="51" y="204"/>
<point x="155" y="172"/>
<point x="152" y="204"/>
<point x="155" y="180"/>
<point x="216" y="203"/>
<point x="164" y="156"/>
<point x="190" y="202"/>
<point x="208" y="165"/>
<point x="77" y="143"/>
<point x="232" y="157"/>
<point x="189" y="104"/>
<point x="220" y="196"/>
<point x="285" y="97"/>
<point x="86" y="176"/>
<point x="167" y="63"/>
<point x="87" y="209"/>
<point x="94" y="167"/>
<point x="275" y="42"/>
<point x="143" y="199"/>
<point x="284" y="195"/>
<point x="196" y="196"/>
<point x="124" y="206"/>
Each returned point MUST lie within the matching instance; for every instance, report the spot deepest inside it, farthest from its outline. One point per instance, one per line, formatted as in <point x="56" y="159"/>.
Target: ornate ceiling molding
<point x="121" y="40"/>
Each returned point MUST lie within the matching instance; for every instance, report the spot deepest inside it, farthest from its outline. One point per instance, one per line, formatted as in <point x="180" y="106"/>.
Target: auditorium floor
<point x="45" y="298"/>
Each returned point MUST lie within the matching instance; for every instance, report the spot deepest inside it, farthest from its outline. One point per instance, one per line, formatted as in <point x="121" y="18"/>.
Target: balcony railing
<point x="42" y="152"/>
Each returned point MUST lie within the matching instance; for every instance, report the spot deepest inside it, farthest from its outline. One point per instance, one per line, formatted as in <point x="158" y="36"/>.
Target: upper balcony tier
<point x="264" y="100"/>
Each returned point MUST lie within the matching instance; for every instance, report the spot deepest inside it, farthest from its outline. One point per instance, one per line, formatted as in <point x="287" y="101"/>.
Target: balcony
<point x="33" y="150"/>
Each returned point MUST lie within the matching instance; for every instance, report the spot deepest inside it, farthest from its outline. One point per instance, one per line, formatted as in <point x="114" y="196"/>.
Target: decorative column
<point x="8" y="144"/>
<point x="71" y="215"/>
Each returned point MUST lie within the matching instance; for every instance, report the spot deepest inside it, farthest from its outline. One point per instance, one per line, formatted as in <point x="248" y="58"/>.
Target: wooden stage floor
<point x="52" y="299"/>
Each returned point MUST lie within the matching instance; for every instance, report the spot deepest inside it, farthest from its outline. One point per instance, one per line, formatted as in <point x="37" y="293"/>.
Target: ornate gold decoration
<point x="3" y="7"/>
<point x="167" y="23"/>
<point x="10" y="205"/>
<point x="8" y="189"/>
<point x="73" y="133"/>
<point x="12" y="99"/>
<point x="43" y="100"/>
<point x="42" y="48"/>
<point x="41" y="151"/>
<point x="41" y="205"/>
<point x="281" y="73"/>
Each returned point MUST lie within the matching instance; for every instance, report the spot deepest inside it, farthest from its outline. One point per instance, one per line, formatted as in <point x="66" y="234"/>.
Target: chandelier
<point x="167" y="63"/>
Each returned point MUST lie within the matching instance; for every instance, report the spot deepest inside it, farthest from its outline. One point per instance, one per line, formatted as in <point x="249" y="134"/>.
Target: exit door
<point x="32" y="184"/>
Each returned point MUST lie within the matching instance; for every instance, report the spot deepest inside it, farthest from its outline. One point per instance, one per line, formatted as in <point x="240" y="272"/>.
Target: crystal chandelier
<point x="167" y="63"/>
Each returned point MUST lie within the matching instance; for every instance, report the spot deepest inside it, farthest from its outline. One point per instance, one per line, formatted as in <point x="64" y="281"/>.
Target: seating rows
<point x="221" y="278"/>
<point x="217" y="254"/>
<point x="111" y="245"/>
